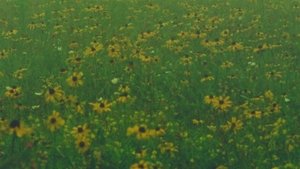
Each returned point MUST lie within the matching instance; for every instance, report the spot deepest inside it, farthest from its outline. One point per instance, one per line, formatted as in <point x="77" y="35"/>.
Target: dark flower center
<point x="233" y="125"/>
<point x="142" y="129"/>
<point x="81" y="144"/>
<point x="53" y="120"/>
<point x="125" y="94"/>
<point x="221" y="102"/>
<point x="51" y="91"/>
<point x="141" y="166"/>
<point x="74" y="78"/>
<point x="14" y="124"/>
<point x="78" y="59"/>
<point x="79" y="129"/>
<point x="102" y="105"/>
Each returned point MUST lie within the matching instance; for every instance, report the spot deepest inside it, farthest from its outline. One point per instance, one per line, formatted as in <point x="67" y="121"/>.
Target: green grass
<point x="168" y="84"/>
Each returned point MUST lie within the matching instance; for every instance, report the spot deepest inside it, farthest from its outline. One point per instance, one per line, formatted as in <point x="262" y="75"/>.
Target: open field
<point x="149" y="84"/>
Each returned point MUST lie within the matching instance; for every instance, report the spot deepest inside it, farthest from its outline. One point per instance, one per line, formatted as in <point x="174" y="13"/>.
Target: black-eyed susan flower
<point x="83" y="144"/>
<point x="18" y="128"/>
<point x="74" y="59"/>
<point x="75" y="80"/>
<point x="143" y="36"/>
<point x="123" y="97"/>
<point x="137" y="52"/>
<point x="132" y="130"/>
<point x="274" y="108"/>
<point x="140" y="131"/>
<point x="207" y="77"/>
<point x="157" y="132"/>
<point x="168" y="147"/>
<point x="207" y="43"/>
<point x="101" y="106"/>
<point x="32" y="26"/>
<point x="226" y="64"/>
<point x="273" y="75"/>
<point x="222" y="103"/>
<point x="95" y="8"/>
<point x="186" y="60"/>
<point x="114" y="50"/>
<point x="225" y="33"/>
<point x="123" y="88"/>
<point x="93" y="49"/>
<point x="54" y="94"/>
<point x="197" y="122"/>
<point x="208" y="99"/>
<point x="145" y="58"/>
<point x="269" y="95"/>
<point x="253" y="113"/>
<point x="10" y="33"/>
<point x="70" y="99"/>
<point x="182" y="34"/>
<point x="3" y="54"/>
<point x="234" y="124"/>
<point x="19" y="74"/>
<point x="261" y="48"/>
<point x="198" y="35"/>
<point x="140" y="153"/>
<point x="140" y="165"/>
<point x="80" y="131"/>
<point x="73" y="45"/>
<point x="236" y="46"/>
<point x="79" y="107"/>
<point x="13" y="92"/>
<point x="54" y="121"/>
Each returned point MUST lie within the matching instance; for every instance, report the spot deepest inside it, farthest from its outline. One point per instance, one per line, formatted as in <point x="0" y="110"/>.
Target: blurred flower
<point x="234" y="124"/>
<point x="140" y="131"/>
<point x="101" y="106"/>
<point x="75" y="80"/>
<point x="53" y="94"/>
<point x="80" y="131"/>
<point x="140" y="165"/>
<point x="18" y="128"/>
<point x="82" y="144"/>
<point x="114" y="50"/>
<point x="93" y="49"/>
<point x="222" y="103"/>
<point x="54" y="121"/>
<point x="13" y="92"/>
<point x="168" y="147"/>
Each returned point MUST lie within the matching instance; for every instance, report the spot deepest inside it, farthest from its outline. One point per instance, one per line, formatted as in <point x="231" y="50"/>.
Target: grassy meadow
<point x="149" y="84"/>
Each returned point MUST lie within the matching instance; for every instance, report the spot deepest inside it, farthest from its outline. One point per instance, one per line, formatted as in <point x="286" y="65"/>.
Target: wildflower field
<point x="149" y="84"/>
